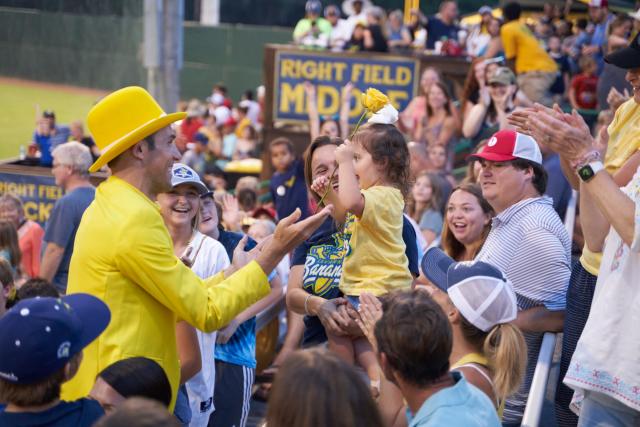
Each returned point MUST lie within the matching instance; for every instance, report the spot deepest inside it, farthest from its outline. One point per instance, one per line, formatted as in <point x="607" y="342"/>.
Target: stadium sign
<point x="395" y="76"/>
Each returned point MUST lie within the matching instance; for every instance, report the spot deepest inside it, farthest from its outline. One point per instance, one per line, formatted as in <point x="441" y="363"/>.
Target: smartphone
<point x="497" y="59"/>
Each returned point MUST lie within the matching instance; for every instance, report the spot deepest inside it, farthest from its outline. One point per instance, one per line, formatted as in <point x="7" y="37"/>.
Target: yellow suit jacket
<point x="123" y="255"/>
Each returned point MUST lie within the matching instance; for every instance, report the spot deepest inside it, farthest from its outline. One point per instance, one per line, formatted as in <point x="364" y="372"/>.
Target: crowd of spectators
<point x="463" y="199"/>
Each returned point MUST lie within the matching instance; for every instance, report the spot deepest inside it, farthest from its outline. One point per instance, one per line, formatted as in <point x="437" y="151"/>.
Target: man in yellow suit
<point x="123" y="253"/>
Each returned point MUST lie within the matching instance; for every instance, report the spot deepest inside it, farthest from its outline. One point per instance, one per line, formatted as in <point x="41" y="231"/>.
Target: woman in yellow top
<point x="373" y="172"/>
<point x="124" y="255"/>
<point x="480" y="303"/>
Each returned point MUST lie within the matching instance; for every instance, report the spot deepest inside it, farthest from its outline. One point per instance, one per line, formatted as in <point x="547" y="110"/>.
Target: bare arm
<point x="188" y="351"/>
<point x="326" y="310"/>
<point x="344" y="109"/>
<point x="473" y="122"/>
<point x="494" y="47"/>
<point x="368" y="39"/>
<point x="572" y="98"/>
<point x="447" y="132"/>
<point x="595" y="226"/>
<point x="349" y="190"/>
<point x="312" y="110"/>
<point x="570" y="174"/>
<point x="51" y="260"/>
<point x="225" y="334"/>
<point x="616" y="207"/>
<point x="540" y="319"/>
<point x="628" y="169"/>
<point x="264" y="303"/>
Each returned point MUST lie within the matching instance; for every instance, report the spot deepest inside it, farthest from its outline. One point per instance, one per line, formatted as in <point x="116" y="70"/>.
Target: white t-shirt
<point x="209" y="258"/>
<point x="340" y="34"/>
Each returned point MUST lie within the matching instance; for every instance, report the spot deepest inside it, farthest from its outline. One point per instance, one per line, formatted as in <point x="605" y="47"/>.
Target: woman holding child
<point x="317" y="263"/>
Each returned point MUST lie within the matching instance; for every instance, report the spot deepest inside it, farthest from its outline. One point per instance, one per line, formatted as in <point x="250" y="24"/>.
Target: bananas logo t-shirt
<point x="322" y="256"/>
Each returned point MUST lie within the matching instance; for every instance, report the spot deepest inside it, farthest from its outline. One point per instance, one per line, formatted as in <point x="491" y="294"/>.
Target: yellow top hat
<point x="124" y="118"/>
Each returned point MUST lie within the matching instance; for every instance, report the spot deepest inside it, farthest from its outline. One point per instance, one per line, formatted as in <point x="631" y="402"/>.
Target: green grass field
<point x="19" y="102"/>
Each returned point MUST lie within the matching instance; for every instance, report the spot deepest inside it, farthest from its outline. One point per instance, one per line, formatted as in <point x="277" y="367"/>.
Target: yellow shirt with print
<point x="624" y="136"/>
<point x="375" y="259"/>
<point x="123" y="255"/>
<point x="520" y="44"/>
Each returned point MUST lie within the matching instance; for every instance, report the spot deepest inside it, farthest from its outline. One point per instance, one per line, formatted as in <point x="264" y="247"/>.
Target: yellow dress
<point x="123" y="255"/>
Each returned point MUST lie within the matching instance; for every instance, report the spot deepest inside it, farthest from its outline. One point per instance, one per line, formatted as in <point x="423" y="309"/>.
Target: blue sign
<point x="38" y="193"/>
<point x="394" y="76"/>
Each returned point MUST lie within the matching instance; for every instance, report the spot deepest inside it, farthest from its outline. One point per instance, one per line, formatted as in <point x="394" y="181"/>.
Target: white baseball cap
<point x="183" y="174"/>
<point x="480" y="291"/>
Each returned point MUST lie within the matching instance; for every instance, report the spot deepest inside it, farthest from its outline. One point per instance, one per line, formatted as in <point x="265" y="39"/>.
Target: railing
<point x="540" y="382"/>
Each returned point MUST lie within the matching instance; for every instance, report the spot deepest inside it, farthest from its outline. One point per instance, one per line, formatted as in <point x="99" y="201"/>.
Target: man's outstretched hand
<point x="288" y="235"/>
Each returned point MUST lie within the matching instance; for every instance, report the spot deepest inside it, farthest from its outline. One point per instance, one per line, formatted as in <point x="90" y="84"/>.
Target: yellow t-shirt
<point x="375" y="259"/>
<point x="520" y="43"/>
<point x="624" y="136"/>
<point x="591" y="260"/>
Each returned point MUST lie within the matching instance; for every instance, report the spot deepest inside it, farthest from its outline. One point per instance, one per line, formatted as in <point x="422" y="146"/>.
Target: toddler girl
<point x="373" y="172"/>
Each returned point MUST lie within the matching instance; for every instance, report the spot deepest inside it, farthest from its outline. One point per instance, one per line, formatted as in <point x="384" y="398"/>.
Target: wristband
<point x="306" y="309"/>
<point x="591" y="156"/>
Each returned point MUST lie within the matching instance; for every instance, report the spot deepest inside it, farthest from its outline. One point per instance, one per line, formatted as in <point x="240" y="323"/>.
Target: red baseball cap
<point x="508" y="145"/>
<point x="598" y="3"/>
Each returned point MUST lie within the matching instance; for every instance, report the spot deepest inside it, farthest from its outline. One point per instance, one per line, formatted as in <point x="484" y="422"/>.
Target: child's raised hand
<point x="320" y="185"/>
<point x="345" y="152"/>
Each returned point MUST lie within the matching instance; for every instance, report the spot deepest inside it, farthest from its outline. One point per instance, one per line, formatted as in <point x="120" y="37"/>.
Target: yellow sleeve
<point x="145" y="256"/>
<point x="508" y="41"/>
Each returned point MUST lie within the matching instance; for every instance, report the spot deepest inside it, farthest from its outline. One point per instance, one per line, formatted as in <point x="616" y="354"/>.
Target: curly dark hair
<point x="388" y="148"/>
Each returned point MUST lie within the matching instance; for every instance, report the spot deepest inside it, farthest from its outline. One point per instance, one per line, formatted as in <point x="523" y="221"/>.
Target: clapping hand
<point x="615" y="99"/>
<point x="566" y="134"/>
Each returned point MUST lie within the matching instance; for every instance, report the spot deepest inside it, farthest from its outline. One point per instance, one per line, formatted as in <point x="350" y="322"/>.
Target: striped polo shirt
<point x="529" y="243"/>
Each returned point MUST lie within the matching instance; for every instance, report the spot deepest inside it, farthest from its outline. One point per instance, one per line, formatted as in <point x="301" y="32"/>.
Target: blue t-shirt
<point x="46" y="144"/>
<point x="558" y="188"/>
<point x="289" y="191"/>
<point x="459" y="405"/>
<point x="80" y="413"/>
<point x="322" y="255"/>
<point x="436" y="29"/>
<point x="241" y="347"/>
<point x="62" y="226"/>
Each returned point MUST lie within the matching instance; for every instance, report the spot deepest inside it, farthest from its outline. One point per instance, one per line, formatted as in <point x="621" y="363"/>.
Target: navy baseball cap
<point x="627" y="57"/>
<point x="38" y="336"/>
<point x="480" y="291"/>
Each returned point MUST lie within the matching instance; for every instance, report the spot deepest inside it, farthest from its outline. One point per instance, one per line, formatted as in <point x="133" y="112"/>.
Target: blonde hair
<point x="506" y="350"/>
